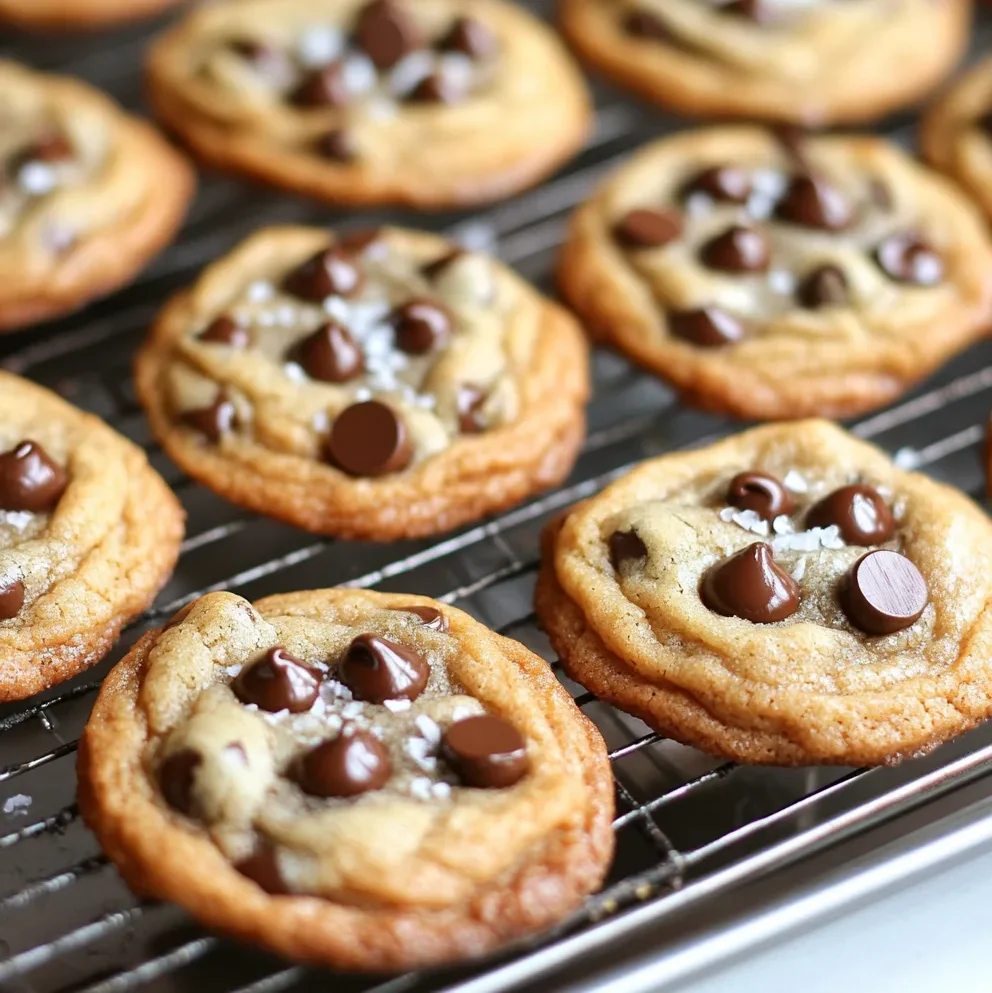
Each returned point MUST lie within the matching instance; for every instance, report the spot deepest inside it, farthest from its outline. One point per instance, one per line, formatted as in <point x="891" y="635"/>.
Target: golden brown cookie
<point x="77" y="15"/>
<point x="377" y="386"/>
<point x="785" y="596"/>
<point x="89" y="195"/>
<point x="432" y="103"/>
<point x="768" y="275"/>
<point x="361" y="780"/>
<point x="88" y="535"/>
<point x="813" y="64"/>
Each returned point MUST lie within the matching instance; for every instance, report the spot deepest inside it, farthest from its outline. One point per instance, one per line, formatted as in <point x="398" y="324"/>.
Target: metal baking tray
<point x="711" y="858"/>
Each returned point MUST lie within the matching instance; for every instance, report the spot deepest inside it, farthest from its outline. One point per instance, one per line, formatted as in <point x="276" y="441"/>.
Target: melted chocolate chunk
<point x="727" y="183"/>
<point x="332" y="272"/>
<point x="430" y="617"/>
<point x="262" y="868"/>
<point x="645" y="228"/>
<point x="337" y="145"/>
<point x="643" y="24"/>
<point x="369" y="439"/>
<point x="326" y="87"/>
<point x="330" y="354"/>
<point x="884" y="593"/>
<point x="486" y="752"/>
<point x="626" y="546"/>
<point x="279" y="681"/>
<point x="213" y="422"/>
<point x="349" y="765"/>
<point x="814" y="203"/>
<point x="738" y="249"/>
<point x="421" y="326"/>
<point x="708" y="327"/>
<point x="470" y="37"/>
<point x="386" y="32"/>
<point x="438" y="87"/>
<point x="177" y="776"/>
<point x="11" y="598"/>
<point x="859" y="511"/>
<point x="823" y="287"/>
<point x="760" y="492"/>
<point x="750" y="585"/>
<point x="470" y="400"/>
<point x="225" y="330"/>
<point x="908" y="258"/>
<point x="29" y="479"/>
<point x="376" y="669"/>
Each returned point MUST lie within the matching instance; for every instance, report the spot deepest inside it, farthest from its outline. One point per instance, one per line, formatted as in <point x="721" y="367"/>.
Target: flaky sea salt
<point x="396" y="706"/>
<point x="795" y="481"/>
<point x="809" y="541"/>
<point x="259" y="291"/>
<point x="800" y="570"/>
<point x="428" y="729"/>
<point x="782" y="282"/>
<point x="698" y="204"/>
<point x="907" y="458"/>
<point x="421" y="752"/>
<point x="358" y="73"/>
<point x="18" y="519"/>
<point x="37" y="179"/>
<point x="440" y="791"/>
<point x="409" y="71"/>
<point x="319" y="44"/>
<point x="233" y="670"/>
<point x="782" y="525"/>
<point x="294" y="372"/>
<point x="750" y="521"/>
<point x="353" y="709"/>
<point x="420" y="788"/>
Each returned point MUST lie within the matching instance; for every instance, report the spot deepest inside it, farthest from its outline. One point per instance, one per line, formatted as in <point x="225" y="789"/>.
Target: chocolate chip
<point x="212" y="422"/>
<point x="432" y="270"/>
<point x="486" y="752"/>
<point x="337" y="145"/>
<point x="176" y="776"/>
<point x="709" y="327"/>
<point x="754" y="10"/>
<point x="11" y="598"/>
<point x="278" y="681"/>
<point x="908" y="258"/>
<point x="470" y="37"/>
<point x="648" y="228"/>
<point x="884" y="593"/>
<point x="643" y="24"/>
<point x="377" y="669"/>
<point x="859" y="511"/>
<point x="760" y="492"/>
<point x="728" y="183"/>
<point x="469" y="401"/>
<point x="326" y="87"/>
<point x="29" y="479"/>
<point x="430" y="617"/>
<point x="330" y="354"/>
<point x="438" y="87"/>
<point x="750" y="585"/>
<point x="626" y="546"/>
<point x="225" y="330"/>
<point x="262" y="868"/>
<point x="812" y="202"/>
<point x="359" y="239"/>
<point x="386" y="32"/>
<point x="369" y="439"/>
<point x="421" y="326"/>
<point x="738" y="249"/>
<point x="332" y="272"/>
<point x="348" y="765"/>
<point x="823" y="287"/>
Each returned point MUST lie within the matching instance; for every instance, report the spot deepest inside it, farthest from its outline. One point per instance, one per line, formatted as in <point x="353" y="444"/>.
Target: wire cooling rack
<point x="688" y="827"/>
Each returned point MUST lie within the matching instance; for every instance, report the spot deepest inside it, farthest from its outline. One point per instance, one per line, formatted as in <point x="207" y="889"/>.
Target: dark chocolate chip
<point x="176" y="776"/>
<point x="709" y="327"/>
<point x="470" y="37"/>
<point x="486" y="752"/>
<point x="859" y="511"/>
<point x="728" y="183"/>
<point x="758" y="11"/>
<point x="376" y="669"/>
<point x="11" y="598"/>
<point x="29" y="479"/>
<point x="212" y="422"/>
<point x="434" y="269"/>
<point x="337" y="145"/>
<point x="626" y="546"/>
<point x="738" y="249"/>
<point x="331" y="272"/>
<point x="421" y="326"/>
<point x="369" y="439"/>
<point x="469" y="401"/>
<point x="386" y="32"/>
<point x="278" y="681"/>
<point x="751" y="585"/>
<point x="760" y="492"/>
<point x="330" y="354"/>
<point x="262" y="868"/>
<point x="884" y="593"/>
<point x="348" y="765"/>
<point x="225" y="330"/>
<point x="644" y="24"/>
<point x="326" y="87"/>
<point x="645" y="228"/>
<point x="430" y="617"/>
<point x="907" y="258"/>
<point x="437" y="88"/>
<point x="823" y="287"/>
<point x="812" y="202"/>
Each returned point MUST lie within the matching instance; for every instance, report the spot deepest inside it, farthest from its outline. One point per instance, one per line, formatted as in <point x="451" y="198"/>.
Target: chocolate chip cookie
<point x="774" y="275"/>
<point x="811" y="63"/>
<point x="88" y="534"/>
<point x="785" y="596"/>
<point x="360" y="780"/>
<point x="77" y="15"/>
<point x="379" y="385"/>
<point x="432" y="103"/>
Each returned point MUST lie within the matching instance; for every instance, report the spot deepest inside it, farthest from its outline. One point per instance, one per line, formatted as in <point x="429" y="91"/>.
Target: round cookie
<point x="88" y="195"/>
<point x="76" y="15"/>
<point x="88" y="535"/>
<point x="814" y="64"/>
<point x="770" y="275"/>
<point x="367" y="781"/>
<point x="380" y="385"/>
<point x="431" y="103"/>
<point x="834" y="612"/>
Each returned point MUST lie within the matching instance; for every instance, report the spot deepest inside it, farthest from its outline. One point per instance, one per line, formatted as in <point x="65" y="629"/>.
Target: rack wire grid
<point x="687" y="826"/>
